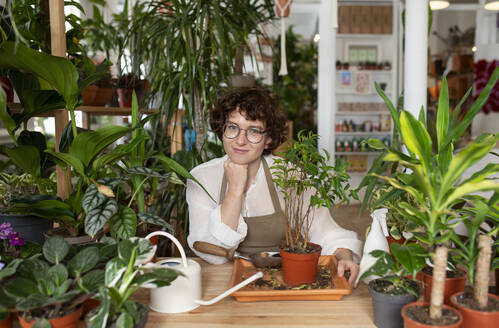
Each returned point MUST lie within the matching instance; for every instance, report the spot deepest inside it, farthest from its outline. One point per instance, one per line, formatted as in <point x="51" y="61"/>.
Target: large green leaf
<point x="455" y="133"/>
<point x="465" y="159"/>
<point x="411" y="256"/>
<point x="19" y="287"/>
<point x="71" y="160"/>
<point x="92" y="198"/>
<point x="58" y="273"/>
<point x="97" y="217"/>
<point x="33" y="301"/>
<point x="416" y="138"/>
<point x="36" y="102"/>
<point x="468" y="188"/>
<point x="443" y="114"/>
<point x="93" y="280"/>
<point x="393" y="110"/>
<point x="125" y="320"/>
<point x="84" y="261"/>
<point x="25" y="157"/>
<point x="55" y="249"/>
<point x="154" y="219"/>
<point x="124" y="223"/>
<point x="88" y="144"/>
<point x="57" y="71"/>
<point x="179" y="169"/>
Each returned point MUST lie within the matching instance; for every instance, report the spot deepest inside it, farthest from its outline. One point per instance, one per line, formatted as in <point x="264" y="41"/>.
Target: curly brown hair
<point x="254" y="103"/>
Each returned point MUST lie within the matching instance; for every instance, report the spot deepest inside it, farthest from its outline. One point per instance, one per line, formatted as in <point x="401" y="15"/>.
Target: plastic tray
<point x="243" y="268"/>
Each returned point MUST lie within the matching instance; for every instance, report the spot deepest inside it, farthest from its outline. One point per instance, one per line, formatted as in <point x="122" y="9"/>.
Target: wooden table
<point x="354" y="310"/>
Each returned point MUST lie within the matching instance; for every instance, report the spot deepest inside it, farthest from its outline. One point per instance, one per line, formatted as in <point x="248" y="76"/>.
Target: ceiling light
<point x="473" y="48"/>
<point x="317" y="37"/>
<point x="492" y="5"/>
<point x="438" y="4"/>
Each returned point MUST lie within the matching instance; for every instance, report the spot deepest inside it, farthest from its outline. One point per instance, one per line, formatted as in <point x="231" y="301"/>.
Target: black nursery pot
<point x="386" y="307"/>
<point x="30" y="227"/>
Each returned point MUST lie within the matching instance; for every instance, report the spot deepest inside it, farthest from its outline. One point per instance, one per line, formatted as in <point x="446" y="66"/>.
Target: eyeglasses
<point x="254" y="135"/>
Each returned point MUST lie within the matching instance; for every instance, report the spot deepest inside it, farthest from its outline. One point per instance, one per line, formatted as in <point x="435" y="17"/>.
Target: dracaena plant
<point x="480" y="217"/>
<point x="407" y="260"/>
<point x="56" y="281"/>
<point x="434" y="178"/>
<point x="304" y="176"/>
<point x="123" y="276"/>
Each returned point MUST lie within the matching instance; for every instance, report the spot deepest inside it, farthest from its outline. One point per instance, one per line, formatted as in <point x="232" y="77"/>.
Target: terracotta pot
<point x="410" y="323"/>
<point x="89" y="305"/>
<point x="6" y="323"/>
<point x="282" y="3"/>
<point x="124" y="97"/>
<point x="8" y="88"/>
<point x="89" y="94"/>
<point x="300" y="269"/>
<point x="474" y="318"/>
<point x="452" y="286"/>
<point x="103" y="96"/>
<point x="68" y="321"/>
<point x="391" y="240"/>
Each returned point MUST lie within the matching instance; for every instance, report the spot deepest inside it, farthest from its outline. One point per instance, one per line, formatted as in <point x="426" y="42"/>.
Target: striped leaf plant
<point x="433" y="175"/>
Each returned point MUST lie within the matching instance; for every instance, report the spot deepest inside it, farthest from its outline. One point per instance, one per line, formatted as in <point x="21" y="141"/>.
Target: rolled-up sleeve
<point x="327" y="233"/>
<point x="205" y="221"/>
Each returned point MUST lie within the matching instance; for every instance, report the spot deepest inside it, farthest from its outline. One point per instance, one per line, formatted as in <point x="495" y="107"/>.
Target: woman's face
<point x="239" y="149"/>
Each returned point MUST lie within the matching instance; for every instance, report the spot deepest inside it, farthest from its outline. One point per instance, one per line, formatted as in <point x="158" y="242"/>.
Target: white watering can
<point x="184" y="293"/>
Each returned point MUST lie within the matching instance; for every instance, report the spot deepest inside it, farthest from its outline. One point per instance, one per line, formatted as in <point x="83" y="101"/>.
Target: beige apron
<point x="265" y="232"/>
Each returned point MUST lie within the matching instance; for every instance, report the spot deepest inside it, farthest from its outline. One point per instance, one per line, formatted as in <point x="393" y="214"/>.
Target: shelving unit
<point x="360" y="112"/>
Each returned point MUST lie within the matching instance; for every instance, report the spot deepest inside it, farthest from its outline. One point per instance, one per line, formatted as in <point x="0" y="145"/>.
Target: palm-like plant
<point x="195" y="53"/>
<point x="435" y="178"/>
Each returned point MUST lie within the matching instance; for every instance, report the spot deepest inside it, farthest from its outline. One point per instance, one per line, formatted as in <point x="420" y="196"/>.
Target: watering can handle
<point x="175" y="241"/>
<point x="208" y="248"/>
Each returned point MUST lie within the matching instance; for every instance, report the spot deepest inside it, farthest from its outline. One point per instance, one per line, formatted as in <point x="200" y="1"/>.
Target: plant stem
<point x="482" y="271"/>
<point x="438" y="282"/>
<point x="73" y="123"/>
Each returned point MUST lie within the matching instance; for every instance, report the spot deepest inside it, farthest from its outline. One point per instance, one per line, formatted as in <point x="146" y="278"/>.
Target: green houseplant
<point x="56" y="282"/>
<point x="395" y="288"/>
<point x="304" y="176"/>
<point x="195" y="34"/>
<point x="435" y="181"/>
<point x="479" y="308"/>
<point x="122" y="277"/>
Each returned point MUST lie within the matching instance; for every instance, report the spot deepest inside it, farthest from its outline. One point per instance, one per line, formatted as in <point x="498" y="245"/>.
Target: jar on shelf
<point x="368" y="126"/>
<point x="385" y="122"/>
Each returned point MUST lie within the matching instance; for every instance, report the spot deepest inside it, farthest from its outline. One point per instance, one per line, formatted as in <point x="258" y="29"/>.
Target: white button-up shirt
<point x="206" y="222"/>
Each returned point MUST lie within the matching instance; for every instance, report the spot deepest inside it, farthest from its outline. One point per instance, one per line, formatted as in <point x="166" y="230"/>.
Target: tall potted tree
<point x="304" y="176"/>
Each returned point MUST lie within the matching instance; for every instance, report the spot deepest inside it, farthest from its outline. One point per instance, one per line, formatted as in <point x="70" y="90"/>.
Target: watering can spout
<point x="232" y="290"/>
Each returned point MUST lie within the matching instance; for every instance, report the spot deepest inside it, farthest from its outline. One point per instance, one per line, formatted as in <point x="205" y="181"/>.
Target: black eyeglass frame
<point x="263" y="133"/>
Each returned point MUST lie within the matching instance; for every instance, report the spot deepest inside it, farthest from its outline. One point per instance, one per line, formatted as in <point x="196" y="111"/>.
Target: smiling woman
<point x="247" y="212"/>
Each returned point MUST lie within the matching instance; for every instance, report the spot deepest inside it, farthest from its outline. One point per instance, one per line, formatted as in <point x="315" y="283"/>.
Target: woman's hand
<point x="237" y="175"/>
<point x="346" y="263"/>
